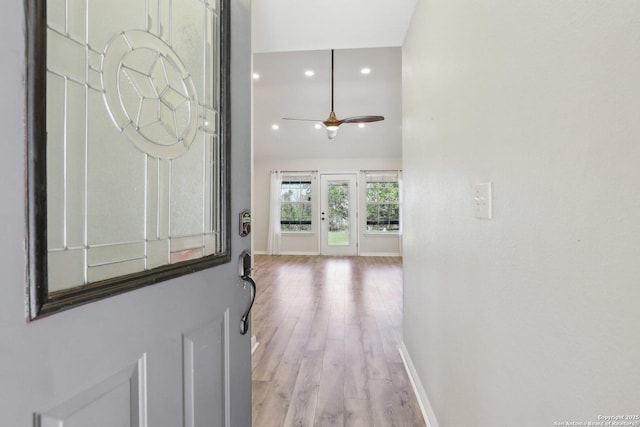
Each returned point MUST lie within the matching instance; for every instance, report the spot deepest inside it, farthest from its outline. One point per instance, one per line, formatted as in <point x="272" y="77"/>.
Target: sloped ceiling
<point x="283" y="90"/>
<point x="297" y="25"/>
<point x="292" y="36"/>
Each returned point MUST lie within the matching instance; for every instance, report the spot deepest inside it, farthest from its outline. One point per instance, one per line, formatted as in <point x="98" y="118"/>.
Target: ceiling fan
<point x="332" y="123"/>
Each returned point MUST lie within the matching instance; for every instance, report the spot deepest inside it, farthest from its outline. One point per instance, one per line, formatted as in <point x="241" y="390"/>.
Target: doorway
<point x="338" y="214"/>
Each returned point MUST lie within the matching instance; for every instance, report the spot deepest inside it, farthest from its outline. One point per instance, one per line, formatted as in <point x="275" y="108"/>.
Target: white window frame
<point x="373" y="177"/>
<point x="301" y="178"/>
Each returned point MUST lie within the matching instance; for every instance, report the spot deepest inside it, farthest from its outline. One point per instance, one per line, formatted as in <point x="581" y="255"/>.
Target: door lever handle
<point x="244" y="321"/>
<point x="244" y="267"/>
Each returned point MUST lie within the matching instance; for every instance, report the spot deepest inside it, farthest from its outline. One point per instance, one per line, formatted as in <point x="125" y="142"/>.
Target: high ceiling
<point x="295" y="25"/>
<point x="292" y="36"/>
<point x="283" y="90"/>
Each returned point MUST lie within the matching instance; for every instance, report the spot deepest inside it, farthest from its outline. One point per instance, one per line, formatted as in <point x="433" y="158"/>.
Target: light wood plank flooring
<point x="329" y="331"/>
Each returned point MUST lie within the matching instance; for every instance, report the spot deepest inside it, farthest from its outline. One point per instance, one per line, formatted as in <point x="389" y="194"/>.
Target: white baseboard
<point x="299" y="253"/>
<point x="286" y="253"/>
<point x="318" y="253"/>
<point x="421" y="394"/>
<point x="254" y="344"/>
<point x="379" y="254"/>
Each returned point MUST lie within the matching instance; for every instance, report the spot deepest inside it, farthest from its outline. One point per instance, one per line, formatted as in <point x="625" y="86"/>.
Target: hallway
<point x="329" y="331"/>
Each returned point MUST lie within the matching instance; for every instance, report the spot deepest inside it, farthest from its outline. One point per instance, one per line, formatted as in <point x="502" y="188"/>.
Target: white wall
<point x="309" y="243"/>
<point x="531" y="317"/>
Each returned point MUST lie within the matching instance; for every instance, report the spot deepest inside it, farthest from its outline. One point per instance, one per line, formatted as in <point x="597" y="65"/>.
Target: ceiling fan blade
<point x="332" y="124"/>
<point x="362" y="119"/>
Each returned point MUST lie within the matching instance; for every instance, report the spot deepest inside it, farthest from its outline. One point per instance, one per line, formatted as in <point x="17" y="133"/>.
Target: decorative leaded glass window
<point x="128" y="164"/>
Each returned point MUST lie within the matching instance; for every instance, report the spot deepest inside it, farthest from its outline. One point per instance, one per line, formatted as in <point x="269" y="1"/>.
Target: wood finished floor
<point x="329" y="331"/>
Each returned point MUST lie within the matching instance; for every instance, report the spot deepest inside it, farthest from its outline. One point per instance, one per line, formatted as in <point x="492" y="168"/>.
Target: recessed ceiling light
<point x="309" y="73"/>
<point x="365" y="70"/>
<point x="275" y="127"/>
<point x="317" y="126"/>
<point x="256" y="76"/>
<point x="360" y="125"/>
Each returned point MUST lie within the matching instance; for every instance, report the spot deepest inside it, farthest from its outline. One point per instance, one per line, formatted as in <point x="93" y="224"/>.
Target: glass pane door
<point x="338" y="225"/>
<point x="338" y="213"/>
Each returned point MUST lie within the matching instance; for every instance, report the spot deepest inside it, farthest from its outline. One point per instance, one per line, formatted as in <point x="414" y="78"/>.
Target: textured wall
<point x="531" y="317"/>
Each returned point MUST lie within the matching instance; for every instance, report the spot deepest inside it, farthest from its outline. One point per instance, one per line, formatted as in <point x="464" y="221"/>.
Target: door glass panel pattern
<point x="133" y="137"/>
<point x="338" y="205"/>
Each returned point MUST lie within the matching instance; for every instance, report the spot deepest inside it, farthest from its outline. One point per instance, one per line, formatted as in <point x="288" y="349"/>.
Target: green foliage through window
<point x="383" y="206"/>
<point x="338" y="195"/>
<point x="295" y="205"/>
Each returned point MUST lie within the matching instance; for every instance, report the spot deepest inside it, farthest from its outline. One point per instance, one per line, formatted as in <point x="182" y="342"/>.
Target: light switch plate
<point x="482" y="197"/>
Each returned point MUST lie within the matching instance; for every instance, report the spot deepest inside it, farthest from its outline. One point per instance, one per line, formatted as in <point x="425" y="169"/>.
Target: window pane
<point x="295" y="208"/>
<point x="372" y="195"/>
<point x="338" y="214"/>
<point x="383" y="209"/>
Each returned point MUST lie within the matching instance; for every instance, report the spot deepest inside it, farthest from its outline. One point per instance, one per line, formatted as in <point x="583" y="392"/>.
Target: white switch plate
<point x="482" y="197"/>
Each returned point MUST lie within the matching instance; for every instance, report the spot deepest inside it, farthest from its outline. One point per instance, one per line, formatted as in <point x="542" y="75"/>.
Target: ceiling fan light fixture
<point x="332" y="131"/>
<point x="332" y="123"/>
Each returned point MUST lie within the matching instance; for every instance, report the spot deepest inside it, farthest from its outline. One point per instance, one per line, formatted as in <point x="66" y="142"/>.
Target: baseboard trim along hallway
<point x="418" y="389"/>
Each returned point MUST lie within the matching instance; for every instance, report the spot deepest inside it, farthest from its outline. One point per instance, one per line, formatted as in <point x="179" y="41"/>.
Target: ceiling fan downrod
<point x="331" y="124"/>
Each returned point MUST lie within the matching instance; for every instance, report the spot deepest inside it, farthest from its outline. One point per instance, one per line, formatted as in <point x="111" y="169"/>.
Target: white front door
<point x="166" y="355"/>
<point x="338" y="210"/>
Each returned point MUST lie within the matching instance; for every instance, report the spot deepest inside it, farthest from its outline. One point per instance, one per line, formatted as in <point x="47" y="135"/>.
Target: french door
<point x="338" y="212"/>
